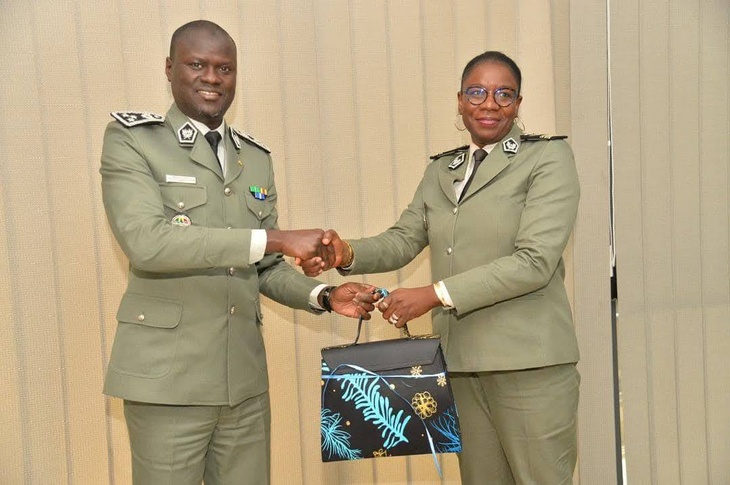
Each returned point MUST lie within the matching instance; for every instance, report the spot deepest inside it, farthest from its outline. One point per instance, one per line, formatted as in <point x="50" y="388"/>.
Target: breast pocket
<point x="185" y="204"/>
<point x="147" y="335"/>
<point x="261" y="209"/>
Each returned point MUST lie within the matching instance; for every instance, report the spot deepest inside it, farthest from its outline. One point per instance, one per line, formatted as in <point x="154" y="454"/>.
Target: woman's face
<point x="489" y="122"/>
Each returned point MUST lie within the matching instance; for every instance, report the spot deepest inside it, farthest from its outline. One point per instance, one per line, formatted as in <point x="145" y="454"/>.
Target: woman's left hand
<point x="405" y="304"/>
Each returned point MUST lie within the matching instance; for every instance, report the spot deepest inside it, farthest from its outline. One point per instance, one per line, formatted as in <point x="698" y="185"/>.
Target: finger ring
<point x="393" y="318"/>
<point x="384" y="305"/>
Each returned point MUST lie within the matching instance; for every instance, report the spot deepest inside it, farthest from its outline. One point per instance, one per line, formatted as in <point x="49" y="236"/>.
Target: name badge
<point x="180" y="179"/>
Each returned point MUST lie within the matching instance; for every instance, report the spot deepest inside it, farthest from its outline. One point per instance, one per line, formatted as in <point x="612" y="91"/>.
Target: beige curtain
<point x="352" y="97"/>
<point x="670" y="74"/>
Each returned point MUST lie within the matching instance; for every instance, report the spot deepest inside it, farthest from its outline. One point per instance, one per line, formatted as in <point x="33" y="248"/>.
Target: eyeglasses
<point x="476" y="95"/>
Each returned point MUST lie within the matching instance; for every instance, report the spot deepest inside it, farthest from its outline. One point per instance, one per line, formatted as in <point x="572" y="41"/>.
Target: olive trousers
<point x="184" y="445"/>
<point x="518" y="427"/>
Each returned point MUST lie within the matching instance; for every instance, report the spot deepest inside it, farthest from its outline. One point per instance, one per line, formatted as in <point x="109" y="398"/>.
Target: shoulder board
<point x="245" y="136"/>
<point x="541" y="136"/>
<point x="134" y="118"/>
<point x="449" y="152"/>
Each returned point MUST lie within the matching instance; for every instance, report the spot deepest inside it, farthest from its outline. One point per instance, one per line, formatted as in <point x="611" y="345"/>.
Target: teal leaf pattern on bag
<point x="364" y="390"/>
<point x="336" y="441"/>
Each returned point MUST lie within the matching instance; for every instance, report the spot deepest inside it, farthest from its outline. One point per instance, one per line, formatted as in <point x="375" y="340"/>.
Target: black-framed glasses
<point x="476" y="95"/>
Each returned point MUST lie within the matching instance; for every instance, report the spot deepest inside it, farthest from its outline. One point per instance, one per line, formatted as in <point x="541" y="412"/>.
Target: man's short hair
<point x="197" y="25"/>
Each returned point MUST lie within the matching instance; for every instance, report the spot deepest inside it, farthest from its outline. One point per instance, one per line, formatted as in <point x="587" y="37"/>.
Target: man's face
<point x="202" y="75"/>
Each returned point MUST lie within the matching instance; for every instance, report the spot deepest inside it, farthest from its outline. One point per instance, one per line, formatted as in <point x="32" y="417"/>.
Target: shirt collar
<point x="202" y="128"/>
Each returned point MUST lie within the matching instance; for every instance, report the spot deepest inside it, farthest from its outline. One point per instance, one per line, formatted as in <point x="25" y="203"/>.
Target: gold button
<point x="456" y="209"/>
<point x="227" y="191"/>
<point x="231" y="271"/>
<point x="449" y="250"/>
<point x="140" y="317"/>
<point x="233" y="310"/>
<point x="181" y="205"/>
<point x="260" y="213"/>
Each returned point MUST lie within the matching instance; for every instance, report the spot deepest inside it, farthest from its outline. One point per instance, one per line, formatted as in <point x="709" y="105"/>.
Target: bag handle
<point x="404" y="333"/>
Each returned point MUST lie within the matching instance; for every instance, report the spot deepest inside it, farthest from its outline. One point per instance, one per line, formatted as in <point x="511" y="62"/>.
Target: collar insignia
<point x="510" y="145"/>
<point x="457" y="161"/>
<point x="186" y="134"/>
<point x="234" y="137"/>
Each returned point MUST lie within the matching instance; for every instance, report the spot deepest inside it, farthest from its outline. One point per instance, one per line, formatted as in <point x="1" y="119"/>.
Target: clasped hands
<point x="397" y="307"/>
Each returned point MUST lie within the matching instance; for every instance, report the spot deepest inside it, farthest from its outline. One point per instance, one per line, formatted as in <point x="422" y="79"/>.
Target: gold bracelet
<point x="351" y="256"/>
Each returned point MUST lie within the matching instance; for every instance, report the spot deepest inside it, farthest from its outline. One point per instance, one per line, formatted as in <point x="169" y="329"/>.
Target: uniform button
<point x="181" y="205"/>
<point x="456" y="209"/>
<point x="260" y="213"/>
<point x="449" y="250"/>
<point x="140" y="317"/>
<point x="228" y="227"/>
<point x="233" y="310"/>
<point x="227" y="191"/>
<point x="231" y="271"/>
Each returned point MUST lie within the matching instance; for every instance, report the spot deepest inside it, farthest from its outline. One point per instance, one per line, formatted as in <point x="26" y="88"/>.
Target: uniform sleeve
<point x="396" y="246"/>
<point x="134" y="209"/>
<point x="545" y="226"/>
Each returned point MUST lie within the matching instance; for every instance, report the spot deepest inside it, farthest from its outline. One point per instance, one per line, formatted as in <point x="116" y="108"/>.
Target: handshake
<point x="315" y="250"/>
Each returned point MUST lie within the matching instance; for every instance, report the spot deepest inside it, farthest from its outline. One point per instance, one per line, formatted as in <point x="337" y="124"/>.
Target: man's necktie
<point x="213" y="138"/>
<point x="479" y="155"/>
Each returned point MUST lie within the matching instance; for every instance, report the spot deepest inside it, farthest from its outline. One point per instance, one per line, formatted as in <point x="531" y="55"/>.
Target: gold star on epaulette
<point x="540" y="137"/>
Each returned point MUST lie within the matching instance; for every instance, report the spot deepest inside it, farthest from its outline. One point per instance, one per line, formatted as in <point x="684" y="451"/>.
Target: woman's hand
<point x="405" y="304"/>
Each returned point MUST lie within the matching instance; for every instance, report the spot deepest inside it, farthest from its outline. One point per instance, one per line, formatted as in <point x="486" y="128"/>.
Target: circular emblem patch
<point x="181" y="220"/>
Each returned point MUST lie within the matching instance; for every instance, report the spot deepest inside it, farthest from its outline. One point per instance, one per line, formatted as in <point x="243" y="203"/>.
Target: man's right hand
<point x="302" y="244"/>
<point x="315" y="266"/>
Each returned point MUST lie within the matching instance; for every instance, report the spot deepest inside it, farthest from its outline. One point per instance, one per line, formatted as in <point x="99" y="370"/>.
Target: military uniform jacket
<point x="188" y="323"/>
<point x="498" y="251"/>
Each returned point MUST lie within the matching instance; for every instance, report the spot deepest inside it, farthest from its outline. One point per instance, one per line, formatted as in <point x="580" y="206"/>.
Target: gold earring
<point x="459" y="126"/>
<point x="519" y="123"/>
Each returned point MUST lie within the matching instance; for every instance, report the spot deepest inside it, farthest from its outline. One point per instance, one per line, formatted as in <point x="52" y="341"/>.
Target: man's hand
<point x="354" y="300"/>
<point x="405" y="304"/>
<point x="302" y="244"/>
<point x="316" y="266"/>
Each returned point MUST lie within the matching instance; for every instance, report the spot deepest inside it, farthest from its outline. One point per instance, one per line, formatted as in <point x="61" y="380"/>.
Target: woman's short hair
<point x="499" y="58"/>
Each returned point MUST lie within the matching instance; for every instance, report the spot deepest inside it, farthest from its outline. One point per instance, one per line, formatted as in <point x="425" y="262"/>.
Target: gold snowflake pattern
<point x="379" y="453"/>
<point x="424" y="405"/>
<point x="441" y="380"/>
<point x="416" y="370"/>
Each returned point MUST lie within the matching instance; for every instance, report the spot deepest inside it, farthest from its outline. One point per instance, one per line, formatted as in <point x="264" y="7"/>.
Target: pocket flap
<point x="149" y="310"/>
<point x="181" y="198"/>
<point x="385" y="354"/>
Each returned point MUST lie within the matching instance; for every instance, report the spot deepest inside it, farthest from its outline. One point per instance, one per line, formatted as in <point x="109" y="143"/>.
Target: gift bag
<point x="387" y="398"/>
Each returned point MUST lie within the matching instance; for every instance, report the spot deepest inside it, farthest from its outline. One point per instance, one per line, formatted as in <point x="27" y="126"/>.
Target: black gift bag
<point x="387" y="398"/>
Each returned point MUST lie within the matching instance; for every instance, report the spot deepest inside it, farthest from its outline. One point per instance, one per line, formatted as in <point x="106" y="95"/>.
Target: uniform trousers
<point x="184" y="445"/>
<point x="518" y="427"/>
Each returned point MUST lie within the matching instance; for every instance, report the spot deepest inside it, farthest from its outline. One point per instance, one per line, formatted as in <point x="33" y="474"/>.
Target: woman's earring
<point x="459" y="122"/>
<point x="519" y="123"/>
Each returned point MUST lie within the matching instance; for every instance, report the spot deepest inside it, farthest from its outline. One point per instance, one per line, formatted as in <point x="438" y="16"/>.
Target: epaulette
<point x="449" y="152"/>
<point x="541" y="136"/>
<point x="238" y="134"/>
<point x="134" y="118"/>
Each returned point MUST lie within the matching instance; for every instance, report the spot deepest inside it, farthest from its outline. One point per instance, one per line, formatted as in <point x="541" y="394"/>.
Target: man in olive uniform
<point x="192" y="203"/>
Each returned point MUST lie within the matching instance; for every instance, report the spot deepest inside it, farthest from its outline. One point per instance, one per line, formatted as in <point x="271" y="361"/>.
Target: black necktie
<point x="479" y="155"/>
<point x="213" y="138"/>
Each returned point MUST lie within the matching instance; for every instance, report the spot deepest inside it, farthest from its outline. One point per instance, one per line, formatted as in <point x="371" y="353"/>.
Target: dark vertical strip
<point x="613" y="286"/>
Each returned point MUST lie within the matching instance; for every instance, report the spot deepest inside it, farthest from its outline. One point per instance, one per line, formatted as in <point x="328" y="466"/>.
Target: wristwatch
<point x="326" y="298"/>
